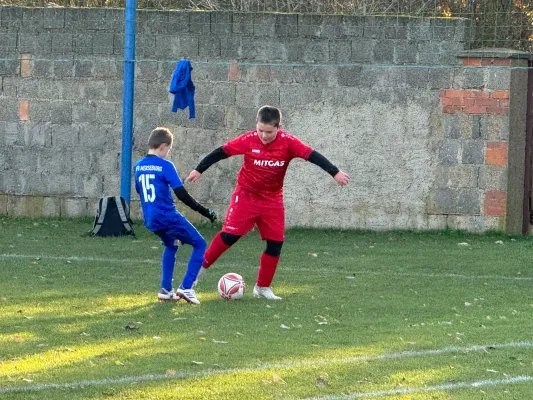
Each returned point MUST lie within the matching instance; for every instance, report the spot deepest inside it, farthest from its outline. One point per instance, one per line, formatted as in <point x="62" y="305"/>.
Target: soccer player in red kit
<point x="258" y="195"/>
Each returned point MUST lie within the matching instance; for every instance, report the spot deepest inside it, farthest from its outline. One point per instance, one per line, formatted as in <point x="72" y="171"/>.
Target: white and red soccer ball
<point x="231" y="286"/>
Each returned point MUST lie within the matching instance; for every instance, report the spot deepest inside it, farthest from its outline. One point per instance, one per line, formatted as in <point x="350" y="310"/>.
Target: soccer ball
<point x="231" y="286"/>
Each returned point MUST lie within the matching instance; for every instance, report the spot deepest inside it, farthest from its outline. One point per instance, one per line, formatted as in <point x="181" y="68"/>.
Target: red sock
<point x="215" y="250"/>
<point x="267" y="269"/>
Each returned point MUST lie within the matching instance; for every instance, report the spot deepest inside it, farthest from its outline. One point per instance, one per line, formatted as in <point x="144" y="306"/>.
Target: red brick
<point x="234" y="72"/>
<point x="503" y="102"/>
<point x="448" y="101"/>
<point x="475" y="109"/>
<point x="451" y="109"/>
<point x="453" y="101"/>
<point x="500" y="94"/>
<point x="496" y="61"/>
<point x="497" y="145"/>
<point x="472" y="61"/>
<point x="498" y="110"/>
<point x="496" y="153"/>
<point x="478" y="94"/>
<point x="470" y="101"/>
<point x="495" y="203"/>
<point x="486" y="102"/>
<point x="455" y="93"/>
<point x="26" y="65"/>
<point x="24" y="110"/>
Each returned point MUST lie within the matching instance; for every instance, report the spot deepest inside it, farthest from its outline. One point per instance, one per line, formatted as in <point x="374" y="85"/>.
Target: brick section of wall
<point x="24" y="110"/>
<point x="61" y="93"/>
<point x="234" y="72"/>
<point x="485" y="62"/>
<point x="25" y="65"/>
<point x="475" y="101"/>
<point x="496" y="153"/>
<point x="495" y="202"/>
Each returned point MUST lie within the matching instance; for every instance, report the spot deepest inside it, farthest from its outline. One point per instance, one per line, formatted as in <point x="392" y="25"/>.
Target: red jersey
<point x="264" y="166"/>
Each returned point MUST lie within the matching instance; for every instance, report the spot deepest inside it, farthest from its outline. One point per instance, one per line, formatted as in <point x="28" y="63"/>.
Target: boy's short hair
<point x="160" y="136"/>
<point x="269" y="115"/>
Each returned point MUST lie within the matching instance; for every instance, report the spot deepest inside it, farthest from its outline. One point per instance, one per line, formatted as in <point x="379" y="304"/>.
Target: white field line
<point x="321" y="272"/>
<point x="424" y="389"/>
<point x="264" y="367"/>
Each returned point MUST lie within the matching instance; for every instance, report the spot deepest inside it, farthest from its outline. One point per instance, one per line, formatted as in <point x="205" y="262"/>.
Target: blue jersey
<point x="154" y="177"/>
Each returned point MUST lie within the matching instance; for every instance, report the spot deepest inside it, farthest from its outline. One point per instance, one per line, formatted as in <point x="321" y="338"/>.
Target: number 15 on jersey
<point x="148" y="187"/>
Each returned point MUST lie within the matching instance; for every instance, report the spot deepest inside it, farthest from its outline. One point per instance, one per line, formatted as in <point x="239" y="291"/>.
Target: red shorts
<point x="248" y="209"/>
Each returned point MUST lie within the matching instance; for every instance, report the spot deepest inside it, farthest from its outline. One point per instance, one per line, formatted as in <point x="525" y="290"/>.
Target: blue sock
<point x="167" y="266"/>
<point x="194" y="264"/>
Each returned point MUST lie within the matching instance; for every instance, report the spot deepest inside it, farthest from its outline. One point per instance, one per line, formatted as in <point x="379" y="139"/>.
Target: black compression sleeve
<point x="213" y="157"/>
<point x="318" y="159"/>
<point x="185" y="197"/>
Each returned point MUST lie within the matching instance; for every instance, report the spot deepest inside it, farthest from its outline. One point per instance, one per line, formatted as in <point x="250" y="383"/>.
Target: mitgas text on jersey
<point x="149" y="168"/>
<point x="269" y="163"/>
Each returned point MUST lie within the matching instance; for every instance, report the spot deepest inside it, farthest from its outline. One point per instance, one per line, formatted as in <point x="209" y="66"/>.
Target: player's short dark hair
<point x="160" y="136"/>
<point x="269" y="115"/>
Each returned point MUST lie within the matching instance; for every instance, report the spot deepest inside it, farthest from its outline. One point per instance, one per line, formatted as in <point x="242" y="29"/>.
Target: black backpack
<point x="112" y="218"/>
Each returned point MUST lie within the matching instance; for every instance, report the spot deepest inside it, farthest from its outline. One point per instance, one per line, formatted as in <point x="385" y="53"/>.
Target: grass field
<point x="396" y="315"/>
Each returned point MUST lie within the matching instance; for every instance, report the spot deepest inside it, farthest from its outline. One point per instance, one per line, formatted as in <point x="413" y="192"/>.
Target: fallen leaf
<point x="277" y="379"/>
<point x="118" y="362"/>
<point x="171" y="372"/>
<point x="283" y="326"/>
<point x="322" y="380"/>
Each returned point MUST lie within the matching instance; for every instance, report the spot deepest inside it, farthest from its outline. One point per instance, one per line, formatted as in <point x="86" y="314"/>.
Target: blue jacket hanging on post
<point x="182" y="87"/>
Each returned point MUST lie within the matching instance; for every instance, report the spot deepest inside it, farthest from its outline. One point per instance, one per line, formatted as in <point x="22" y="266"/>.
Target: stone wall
<point x="422" y="131"/>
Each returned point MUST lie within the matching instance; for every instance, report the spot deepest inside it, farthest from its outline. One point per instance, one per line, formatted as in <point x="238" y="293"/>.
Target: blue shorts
<point x="179" y="228"/>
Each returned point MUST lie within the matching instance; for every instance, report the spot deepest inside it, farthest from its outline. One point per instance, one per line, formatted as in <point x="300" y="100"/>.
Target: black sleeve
<point x="185" y="198"/>
<point x="213" y="157"/>
<point x="318" y="159"/>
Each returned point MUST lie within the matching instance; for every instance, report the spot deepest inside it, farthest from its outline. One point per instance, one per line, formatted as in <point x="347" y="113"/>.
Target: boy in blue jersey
<point x="154" y="177"/>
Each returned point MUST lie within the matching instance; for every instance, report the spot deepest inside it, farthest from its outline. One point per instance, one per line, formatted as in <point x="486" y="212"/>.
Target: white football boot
<point x="265" y="293"/>
<point x="166" y="295"/>
<point x="188" y="295"/>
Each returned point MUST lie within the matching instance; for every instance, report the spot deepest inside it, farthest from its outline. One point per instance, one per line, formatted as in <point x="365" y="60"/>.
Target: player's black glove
<point x="212" y="216"/>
